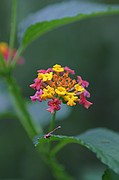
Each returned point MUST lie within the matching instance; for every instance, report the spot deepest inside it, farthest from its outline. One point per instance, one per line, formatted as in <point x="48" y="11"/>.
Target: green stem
<point x="16" y="58"/>
<point x="52" y="125"/>
<point x="57" y="169"/>
<point x="20" y="108"/>
<point x="13" y="28"/>
<point x="3" y="63"/>
<point x="58" y="147"/>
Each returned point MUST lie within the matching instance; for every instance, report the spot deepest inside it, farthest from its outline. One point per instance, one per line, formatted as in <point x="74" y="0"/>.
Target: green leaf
<point x="92" y="172"/>
<point x="103" y="142"/>
<point x="58" y="15"/>
<point x="110" y="175"/>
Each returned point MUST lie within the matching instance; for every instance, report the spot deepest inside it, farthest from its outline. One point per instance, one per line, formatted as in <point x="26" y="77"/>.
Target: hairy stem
<point x="20" y="107"/>
<point x="13" y="28"/>
<point x="57" y="169"/>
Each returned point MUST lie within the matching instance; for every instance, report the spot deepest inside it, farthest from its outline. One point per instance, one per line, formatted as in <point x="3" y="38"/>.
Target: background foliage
<point x="91" y="48"/>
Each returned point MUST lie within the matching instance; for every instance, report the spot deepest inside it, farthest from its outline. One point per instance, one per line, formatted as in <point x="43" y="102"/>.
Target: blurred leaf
<point x="5" y="104"/>
<point x="92" y="171"/>
<point x="6" y="109"/>
<point x="58" y="15"/>
<point x="110" y="175"/>
<point x="42" y="117"/>
<point x="103" y="142"/>
<point x="7" y="115"/>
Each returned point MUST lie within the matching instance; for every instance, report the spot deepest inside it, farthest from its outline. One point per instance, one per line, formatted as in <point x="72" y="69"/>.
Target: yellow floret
<point x="71" y="103"/>
<point x="58" y="68"/>
<point x="70" y="98"/>
<point x="48" y="93"/>
<point x="78" y="88"/>
<point x="45" y="77"/>
<point x="60" y="91"/>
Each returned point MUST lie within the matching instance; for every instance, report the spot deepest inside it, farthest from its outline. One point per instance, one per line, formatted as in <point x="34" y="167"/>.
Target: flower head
<point x="55" y="85"/>
<point x="5" y="51"/>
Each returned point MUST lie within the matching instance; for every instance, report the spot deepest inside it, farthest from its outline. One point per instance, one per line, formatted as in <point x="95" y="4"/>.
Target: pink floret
<point x="84" y="101"/>
<point x="66" y="68"/>
<point x="82" y="82"/>
<point x="54" y="104"/>
<point x="86" y="93"/>
<point x="37" y="84"/>
<point x="45" y="71"/>
<point x="37" y="96"/>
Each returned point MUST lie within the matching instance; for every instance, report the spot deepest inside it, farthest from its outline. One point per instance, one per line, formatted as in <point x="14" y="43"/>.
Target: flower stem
<point x="13" y="28"/>
<point x="21" y="109"/>
<point x="52" y="125"/>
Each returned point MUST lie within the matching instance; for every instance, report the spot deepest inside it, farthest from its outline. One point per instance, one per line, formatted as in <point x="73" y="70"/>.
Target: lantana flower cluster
<point x="56" y="85"/>
<point x="5" y="51"/>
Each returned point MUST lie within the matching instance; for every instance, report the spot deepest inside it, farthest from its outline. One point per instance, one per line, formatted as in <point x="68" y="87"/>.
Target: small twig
<point x="49" y="134"/>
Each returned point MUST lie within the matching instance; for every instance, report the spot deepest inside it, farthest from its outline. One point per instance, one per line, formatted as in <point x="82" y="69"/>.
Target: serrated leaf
<point x="110" y="175"/>
<point x="58" y="15"/>
<point x="103" y="142"/>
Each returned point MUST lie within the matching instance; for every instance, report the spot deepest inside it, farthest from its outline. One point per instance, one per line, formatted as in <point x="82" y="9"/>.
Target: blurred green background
<point x="91" y="48"/>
